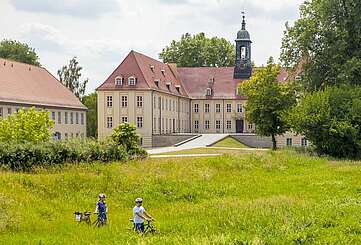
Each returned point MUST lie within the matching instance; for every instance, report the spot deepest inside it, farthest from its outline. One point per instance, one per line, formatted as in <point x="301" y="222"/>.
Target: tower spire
<point x="243" y="21"/>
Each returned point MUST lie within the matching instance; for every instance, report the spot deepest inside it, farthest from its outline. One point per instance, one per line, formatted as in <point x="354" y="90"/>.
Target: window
<point x="139" y="101"/>
<point x="109" y="101"/>
<point x="218" y="124"/>
<point x="17" y="110"/>
<point x="139" y="122"/>
<point x="119" y="81"/>
<point x="209" y="92"/>
<point x="196" y="108"/>
<point x="289" y="142"/>
<point x="250" y="126"/>
<point x="9" y="111"/>
<point x="66" y="117"/>
<point x="239" y="108"/>
<point x="304" y="142"/>
<point x="124" y="119"/>
<point x="132" y="81"/>
<point x="1" y="112"/>
<point x="53" y="115"/>
<point x="206" y="124"/>
<point x="141" y="141"/>
<point x="59" y="117"/>
<point x="196" y="124"/>
<point x="229" y="107"/>
<point x="77" y="118"/>
<point x="109" y="122"/>
<point x="66" y="136"/>
<point x="82" y="118"/>
<point x="77" y="135"/>
<point x="206" y="108"/>
<point x="124" y="101"/>
<point x="229" y="124"/>
<point x="71" y="118"/>
<point x="218" y="108"/>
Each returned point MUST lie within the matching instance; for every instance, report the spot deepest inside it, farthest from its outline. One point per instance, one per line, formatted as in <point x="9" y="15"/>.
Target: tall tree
<point x="70" y="75"/>
<point x="90" y="101"/>
<point x="199" y="50"/>
<point x="17" y="51"/>
<point x="268" y="101"/>
<point x="326" y="40"/>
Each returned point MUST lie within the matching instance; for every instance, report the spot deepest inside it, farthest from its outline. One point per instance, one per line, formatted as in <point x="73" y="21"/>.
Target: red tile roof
<point x="147" y="70"/>
<point x="27" y="84"/>
<point x="193" y="81"/>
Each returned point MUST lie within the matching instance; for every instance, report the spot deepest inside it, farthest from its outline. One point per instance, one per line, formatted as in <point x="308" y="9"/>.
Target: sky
<point x="100" y="33"/>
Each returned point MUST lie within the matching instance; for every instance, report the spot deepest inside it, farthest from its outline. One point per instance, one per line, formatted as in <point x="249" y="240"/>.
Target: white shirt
<point x="138" y="210"/>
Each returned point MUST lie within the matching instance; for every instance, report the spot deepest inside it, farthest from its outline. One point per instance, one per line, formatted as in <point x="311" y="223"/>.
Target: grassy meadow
<point x="269" y="198"/>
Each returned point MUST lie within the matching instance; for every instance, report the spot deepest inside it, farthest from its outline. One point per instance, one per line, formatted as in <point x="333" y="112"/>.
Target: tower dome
<point x="243" y="34"/>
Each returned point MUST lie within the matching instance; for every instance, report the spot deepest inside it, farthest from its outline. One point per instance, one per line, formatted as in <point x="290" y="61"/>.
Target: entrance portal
<point x="239" y="126"/>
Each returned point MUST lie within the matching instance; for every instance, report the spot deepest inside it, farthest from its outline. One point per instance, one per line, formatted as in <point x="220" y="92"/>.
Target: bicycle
<point x="149" y="227"/>
<point x="101" y="220"/>
<point x="83" y="217"/>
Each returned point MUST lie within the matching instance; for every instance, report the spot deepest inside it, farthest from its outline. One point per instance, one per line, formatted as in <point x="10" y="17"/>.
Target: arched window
<point x="119" y="81"/>
<point x="209" y="92"/>
<point x="132" y="81"/>
<point x="243" y="52"/>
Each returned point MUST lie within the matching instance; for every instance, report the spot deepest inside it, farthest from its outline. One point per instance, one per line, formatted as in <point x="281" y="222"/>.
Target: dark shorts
<point x="139" y="227"/>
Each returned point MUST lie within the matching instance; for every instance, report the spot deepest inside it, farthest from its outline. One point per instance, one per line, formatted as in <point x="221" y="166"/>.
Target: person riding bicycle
<point x="140" y="215"/>
<point x="101" y="208"/>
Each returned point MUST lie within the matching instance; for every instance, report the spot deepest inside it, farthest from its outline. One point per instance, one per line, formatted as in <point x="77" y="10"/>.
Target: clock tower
<point x="243" y="68"/>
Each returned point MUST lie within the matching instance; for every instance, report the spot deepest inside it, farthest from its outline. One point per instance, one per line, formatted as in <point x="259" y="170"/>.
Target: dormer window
<point x="177" y="87"/>
<point x="163" y="71"/>
<point x="298" y="78"/>
<point x="156" y="82"/>
<point x="119" y="81"/>
<point x="168" y="85"/>
<point x="132" y="81"/>
<point x="152" y="68"/>
<point x="209" y="92"/>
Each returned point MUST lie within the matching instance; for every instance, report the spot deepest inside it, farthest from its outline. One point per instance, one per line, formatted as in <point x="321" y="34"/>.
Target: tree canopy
<point x="327" y="40"/>
<point x="70" y="75"/>
<point x="90" y="101"/>
<point x="268" y="101"/>
<point x="17" y="51"/>
<point x="199" y="50"/>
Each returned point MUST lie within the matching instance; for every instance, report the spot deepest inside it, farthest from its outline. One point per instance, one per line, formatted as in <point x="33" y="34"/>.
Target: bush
<point x="331" y="120"/>
<point x="24" y="156"/>
<point x="26" y="126"/>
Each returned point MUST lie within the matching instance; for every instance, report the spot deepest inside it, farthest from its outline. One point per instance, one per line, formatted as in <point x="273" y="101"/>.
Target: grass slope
<point x="230" y="143"/>
<point x="273" y="198"/>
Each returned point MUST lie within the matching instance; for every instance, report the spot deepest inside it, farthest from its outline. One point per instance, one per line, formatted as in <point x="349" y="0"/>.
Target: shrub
<point x="24" y="156"/>
<point x="331" y="120"/>
<point x="26" y="126"/>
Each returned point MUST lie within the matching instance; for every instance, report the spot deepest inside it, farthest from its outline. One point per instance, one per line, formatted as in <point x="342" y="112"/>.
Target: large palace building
<point x="165" y="99"/>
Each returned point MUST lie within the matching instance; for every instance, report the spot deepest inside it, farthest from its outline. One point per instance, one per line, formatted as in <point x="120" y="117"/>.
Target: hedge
<point x="24" y="156"/>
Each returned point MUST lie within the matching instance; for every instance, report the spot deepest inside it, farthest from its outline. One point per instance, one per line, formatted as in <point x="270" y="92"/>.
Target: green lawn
<point x="270" y="198"/>
<point x="230" y="143"/>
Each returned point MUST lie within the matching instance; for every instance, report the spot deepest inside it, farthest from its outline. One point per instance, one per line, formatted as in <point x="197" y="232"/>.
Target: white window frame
<point x="132" y="81"/>
<point x="229" y="108"/>
<point x="196" y="108"/>
<point x="218" y="124"/>
<point x="124" y="101"/>
<point x="119" y="81"/>
<point x="139" y="122"/>
<point x="139" y="101"/>
<point x="109" y="101"/>
<point x="206" y="124"/>
<point x="109" y="122"/>
<point x="239" y="108"/>
<point x="124" y="119"/>
<point x="59" y="117"/>
<point x="209" y="92"/>
<point x="206" y="108"/>
<point x="196" y="124"/>
<point x="229" y="124"/>
<point x="218" y="108"/>
<point x="289" y="142"/>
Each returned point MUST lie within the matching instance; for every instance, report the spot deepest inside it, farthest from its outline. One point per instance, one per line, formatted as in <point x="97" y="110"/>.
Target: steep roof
<point x="195" y="81"/>
<point x="192" y="81"/>
<point x="27" y="84"/>
<point x="147" y="70"/>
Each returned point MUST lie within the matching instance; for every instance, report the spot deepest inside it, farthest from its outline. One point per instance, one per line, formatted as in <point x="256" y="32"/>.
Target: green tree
<point x="17" y="51"/>
<point x="331" y="120"/>
<point x="26" y="126"/>
<point x="268" y="101"/>
<point x="90" y="101"/>
<point x="199" y="50"/>
<point x="70" y="75"/>
<point x="326" y="43"/>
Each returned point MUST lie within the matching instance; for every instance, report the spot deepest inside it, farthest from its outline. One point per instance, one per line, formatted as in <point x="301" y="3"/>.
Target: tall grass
<point x="274" y="198"/>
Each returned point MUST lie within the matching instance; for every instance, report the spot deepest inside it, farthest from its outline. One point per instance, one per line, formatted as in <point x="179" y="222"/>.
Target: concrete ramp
<point x="203" y="140"/>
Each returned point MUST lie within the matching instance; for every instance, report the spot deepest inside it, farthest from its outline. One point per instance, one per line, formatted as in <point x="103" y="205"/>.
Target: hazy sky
<point x="102" y="32"/>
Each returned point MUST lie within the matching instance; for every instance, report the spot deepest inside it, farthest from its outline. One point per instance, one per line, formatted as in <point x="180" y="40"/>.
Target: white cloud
<point x="75" y="8"/>
<point x="101" y="33"/>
